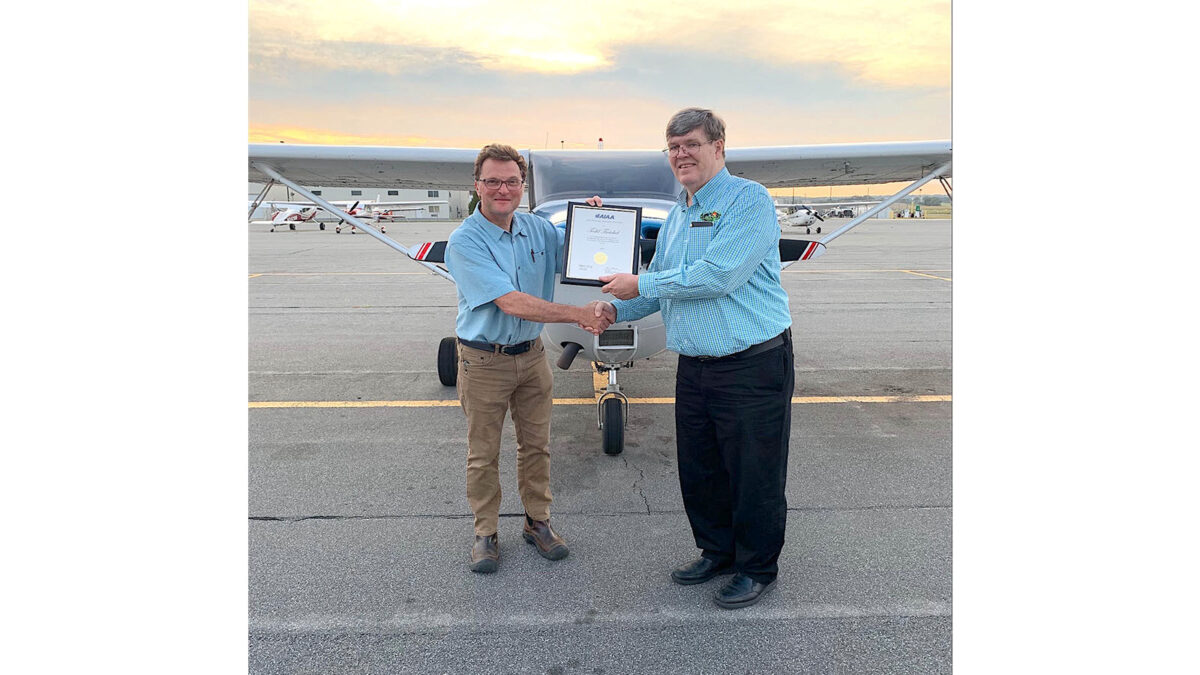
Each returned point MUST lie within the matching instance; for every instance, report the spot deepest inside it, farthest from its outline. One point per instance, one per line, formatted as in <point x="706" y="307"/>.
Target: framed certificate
<point x="600" y="240"/>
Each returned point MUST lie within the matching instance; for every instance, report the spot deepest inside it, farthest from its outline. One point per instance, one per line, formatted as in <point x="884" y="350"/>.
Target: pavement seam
<point x="617" y="514"/>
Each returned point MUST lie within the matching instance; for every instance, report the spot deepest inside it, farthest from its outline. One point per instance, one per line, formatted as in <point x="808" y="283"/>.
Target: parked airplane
<point x="379" y="211"/>
<point x="801" y="215"/>
<point x="639" y="178"/>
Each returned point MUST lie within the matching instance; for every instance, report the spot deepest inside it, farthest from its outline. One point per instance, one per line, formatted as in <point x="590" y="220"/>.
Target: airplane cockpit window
<point x="614" y="174"/>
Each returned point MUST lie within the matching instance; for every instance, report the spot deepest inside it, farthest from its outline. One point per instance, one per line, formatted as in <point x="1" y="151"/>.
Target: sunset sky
<point x="551" y="74"/>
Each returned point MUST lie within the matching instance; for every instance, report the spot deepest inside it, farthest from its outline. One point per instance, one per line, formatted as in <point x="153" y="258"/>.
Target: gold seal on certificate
<point x="600" y="240"/>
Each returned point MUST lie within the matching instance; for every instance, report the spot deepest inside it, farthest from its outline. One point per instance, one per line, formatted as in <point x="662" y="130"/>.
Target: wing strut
<point x="259" y="199"/>
<point x="936" y="173"/>
<point x="411" y="253"/>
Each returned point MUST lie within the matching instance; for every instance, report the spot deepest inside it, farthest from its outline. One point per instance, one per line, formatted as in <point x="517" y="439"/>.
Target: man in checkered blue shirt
<point x="715" y="278"/>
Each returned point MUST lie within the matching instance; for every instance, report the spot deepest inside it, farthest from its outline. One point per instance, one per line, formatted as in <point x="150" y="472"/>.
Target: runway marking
<point x="924" y="275"/>
<point x="789" y="270"/>
<point x="439" y="618"/>
<point x="332" y="274"/>
<point x="599" y="384"/>
<point x="453" y="403"/>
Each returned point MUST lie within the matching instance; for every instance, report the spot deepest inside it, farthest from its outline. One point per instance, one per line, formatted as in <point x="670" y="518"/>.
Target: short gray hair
<point x="687" y="119"/>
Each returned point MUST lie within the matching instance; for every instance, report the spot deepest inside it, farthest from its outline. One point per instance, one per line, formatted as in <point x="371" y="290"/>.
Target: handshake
<point x="596" y="316"/>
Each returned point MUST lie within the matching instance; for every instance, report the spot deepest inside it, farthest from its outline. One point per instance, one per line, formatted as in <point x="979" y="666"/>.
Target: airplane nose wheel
<point x="613" y="425"/>
<point x="611" y="411"/>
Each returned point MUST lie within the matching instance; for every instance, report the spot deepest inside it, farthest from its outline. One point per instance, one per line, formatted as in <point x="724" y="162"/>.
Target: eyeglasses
<point x="691" y="147"/>
<point x="495" y="183"/>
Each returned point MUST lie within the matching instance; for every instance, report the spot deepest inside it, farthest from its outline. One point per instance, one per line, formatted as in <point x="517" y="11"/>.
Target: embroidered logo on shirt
<point x="711" y="216"/>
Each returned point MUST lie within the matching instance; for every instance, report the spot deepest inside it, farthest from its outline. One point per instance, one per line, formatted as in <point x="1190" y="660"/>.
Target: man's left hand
<point x="623" y="286"/>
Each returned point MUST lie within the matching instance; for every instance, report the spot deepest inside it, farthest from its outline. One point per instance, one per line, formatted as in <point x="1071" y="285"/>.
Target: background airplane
<point x="801" y="215"/>
<point x="290" y="213"/>
<point x="639" y="178"/>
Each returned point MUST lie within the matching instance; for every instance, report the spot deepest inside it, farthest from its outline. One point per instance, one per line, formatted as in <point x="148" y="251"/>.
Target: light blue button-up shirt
<point x="715" y="272"/>
<point x="488" y="262"/>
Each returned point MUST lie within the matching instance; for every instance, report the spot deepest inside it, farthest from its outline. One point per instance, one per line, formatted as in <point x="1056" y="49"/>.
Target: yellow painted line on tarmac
<point x="924" y="275"/>
<point x="599" y="384"/>
<point x="808" y="400"/>
<point x="792" y="270"/>
<point x="332" y="274"/>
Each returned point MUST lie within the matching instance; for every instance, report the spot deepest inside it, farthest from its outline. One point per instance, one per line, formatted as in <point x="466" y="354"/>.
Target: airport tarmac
<point x="359" y="529"/>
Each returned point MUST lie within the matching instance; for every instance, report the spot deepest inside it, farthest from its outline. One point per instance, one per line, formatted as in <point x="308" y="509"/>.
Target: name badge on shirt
<point x="701" y="223"/>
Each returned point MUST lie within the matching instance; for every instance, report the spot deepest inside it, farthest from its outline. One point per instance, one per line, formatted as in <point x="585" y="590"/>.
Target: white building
<point x="455" y="207"/>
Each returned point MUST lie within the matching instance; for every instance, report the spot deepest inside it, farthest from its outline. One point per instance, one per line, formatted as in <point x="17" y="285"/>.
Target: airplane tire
<point x="291" y="226"/>
<point x="448" y="362"/>
<point x="337" y="230"/>
<point x="614" y="427"/>
<point x="321" y="225"/>
<point x="808" y="230"/>
<point x="818" y="230"/>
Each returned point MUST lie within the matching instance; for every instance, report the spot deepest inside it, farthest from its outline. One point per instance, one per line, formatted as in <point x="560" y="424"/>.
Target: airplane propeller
<point x="818" y="215"/>
<point x="350" y="211"/>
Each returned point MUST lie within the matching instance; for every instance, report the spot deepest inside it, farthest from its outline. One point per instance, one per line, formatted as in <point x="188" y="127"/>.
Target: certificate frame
<point x="625" y="225"/>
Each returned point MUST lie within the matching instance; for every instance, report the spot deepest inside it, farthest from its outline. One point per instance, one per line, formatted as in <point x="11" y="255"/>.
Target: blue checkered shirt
<point x="715" y="272"/>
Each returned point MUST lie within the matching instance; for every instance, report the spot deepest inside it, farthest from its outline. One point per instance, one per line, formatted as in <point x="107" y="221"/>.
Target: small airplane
<point x="286" y="213"/>
<point x="290" y="213"/>
<point x="801" y="215"/>
<point x="640" y="178"/>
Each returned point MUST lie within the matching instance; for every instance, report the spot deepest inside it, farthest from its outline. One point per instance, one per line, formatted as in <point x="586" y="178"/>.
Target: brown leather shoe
<point x="548" y="543"/>
<point x="485" y="554"/>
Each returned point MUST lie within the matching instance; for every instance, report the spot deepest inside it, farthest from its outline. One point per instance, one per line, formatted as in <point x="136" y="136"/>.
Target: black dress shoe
<point x="742" y="591"/>
<point x="700" y="571"/>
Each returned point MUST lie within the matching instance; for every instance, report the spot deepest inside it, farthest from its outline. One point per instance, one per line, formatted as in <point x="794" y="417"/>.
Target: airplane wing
<point x="837" y="164"/>
<point x="451" y="168"/>
<point x="367" y="166"/>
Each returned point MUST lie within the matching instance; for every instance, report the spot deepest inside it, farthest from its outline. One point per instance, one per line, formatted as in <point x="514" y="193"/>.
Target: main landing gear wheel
<point x="321" y="225"/>
<point x="818" y="229"/>
<point x="808" y="230"/>
<point x="613" y="427"/>
<point x="448" y="362"/>
<point x="291" y="226"/>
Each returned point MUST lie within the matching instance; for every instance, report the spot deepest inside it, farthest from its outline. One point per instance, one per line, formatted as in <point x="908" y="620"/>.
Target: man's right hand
<point x="595" y="320"/>
<point x="605" y="309"/>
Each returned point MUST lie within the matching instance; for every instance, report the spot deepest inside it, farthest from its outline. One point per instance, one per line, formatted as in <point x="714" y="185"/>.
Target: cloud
<point x="882" y="42"/>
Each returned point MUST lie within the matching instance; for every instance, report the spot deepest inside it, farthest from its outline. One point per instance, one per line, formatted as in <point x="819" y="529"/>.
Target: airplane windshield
<point x="611" y="174"/>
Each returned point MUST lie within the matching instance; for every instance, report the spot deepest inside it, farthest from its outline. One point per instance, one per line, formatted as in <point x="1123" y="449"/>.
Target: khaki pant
<point x="489" y="385"/>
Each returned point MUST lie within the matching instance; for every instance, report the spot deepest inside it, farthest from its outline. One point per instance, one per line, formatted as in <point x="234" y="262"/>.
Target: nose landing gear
<point x="612" y="409"/>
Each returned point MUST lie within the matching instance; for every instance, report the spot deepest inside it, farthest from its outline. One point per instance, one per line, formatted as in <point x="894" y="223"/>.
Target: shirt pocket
<point x="698" y="239"/>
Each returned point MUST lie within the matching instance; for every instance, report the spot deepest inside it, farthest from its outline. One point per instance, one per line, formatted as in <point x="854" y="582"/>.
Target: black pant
<point x="733" y="419"/>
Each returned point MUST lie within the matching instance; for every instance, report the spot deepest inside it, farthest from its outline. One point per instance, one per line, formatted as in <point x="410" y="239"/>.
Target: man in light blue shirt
<point x="715" y="278"/>
<point x="503" y="264"/>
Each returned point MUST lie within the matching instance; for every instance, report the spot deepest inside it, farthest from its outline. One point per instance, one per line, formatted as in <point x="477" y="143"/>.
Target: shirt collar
<point x="707" y="190"/>
<point x="493" y="230"/>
